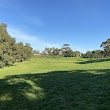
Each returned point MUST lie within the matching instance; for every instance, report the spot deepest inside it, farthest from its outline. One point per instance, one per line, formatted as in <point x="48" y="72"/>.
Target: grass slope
<point x="56" y="84"/>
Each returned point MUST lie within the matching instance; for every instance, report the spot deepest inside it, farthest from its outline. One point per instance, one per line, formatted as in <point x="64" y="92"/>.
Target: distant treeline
<point x="99" y="53"/>
<point x="94" y="54"/>
<point x="66" y="51"/>
<point x="10" y="51"/>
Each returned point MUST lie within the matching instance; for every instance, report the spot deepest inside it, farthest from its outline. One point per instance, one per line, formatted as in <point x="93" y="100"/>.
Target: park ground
<point x="56" y="84"/>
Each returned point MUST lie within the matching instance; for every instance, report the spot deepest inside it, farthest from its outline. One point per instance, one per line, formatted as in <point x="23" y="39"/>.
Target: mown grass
<point x="56" y="84"/>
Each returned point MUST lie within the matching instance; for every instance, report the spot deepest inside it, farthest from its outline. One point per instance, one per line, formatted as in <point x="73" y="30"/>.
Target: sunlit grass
<point x="40" y="65"/>
<point x="5" y="97"/>
<point x="56" y="84"/>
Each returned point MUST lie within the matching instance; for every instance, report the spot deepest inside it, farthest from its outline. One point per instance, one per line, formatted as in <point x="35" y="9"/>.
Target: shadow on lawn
<point x="59" y="90"/>
<point x="94" y="61"/>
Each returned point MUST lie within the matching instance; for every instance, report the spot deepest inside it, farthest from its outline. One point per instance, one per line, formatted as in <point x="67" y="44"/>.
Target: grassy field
<point x="56" y="84"/>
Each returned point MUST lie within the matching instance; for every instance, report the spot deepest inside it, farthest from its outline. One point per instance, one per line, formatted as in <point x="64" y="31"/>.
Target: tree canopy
<point x="10" y="51"/>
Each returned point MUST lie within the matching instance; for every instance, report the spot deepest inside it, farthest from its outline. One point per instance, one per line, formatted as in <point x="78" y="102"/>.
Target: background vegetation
<point x="66" y="51"/>
<point x="10" y="51"/>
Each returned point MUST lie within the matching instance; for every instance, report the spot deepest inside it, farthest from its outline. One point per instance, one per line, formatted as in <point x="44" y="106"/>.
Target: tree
<point x="67" y="51"/>
<point x="94" y="54"/>
<point x="56" y="52"/>
<point x="106" y="46"/>
<point x="51" y="51"/>
<point x="76" y="54"/>
<point x="10" y="51"/>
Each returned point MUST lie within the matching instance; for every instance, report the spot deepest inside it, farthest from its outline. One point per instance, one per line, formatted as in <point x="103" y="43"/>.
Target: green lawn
<point x="56" y="84"/>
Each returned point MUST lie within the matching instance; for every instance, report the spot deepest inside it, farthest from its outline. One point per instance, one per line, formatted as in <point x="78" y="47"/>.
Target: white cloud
<point x="35" y="41"/>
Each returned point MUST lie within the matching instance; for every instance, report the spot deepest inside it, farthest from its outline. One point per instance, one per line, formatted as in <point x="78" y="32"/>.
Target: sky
<point x="84" y="24"/>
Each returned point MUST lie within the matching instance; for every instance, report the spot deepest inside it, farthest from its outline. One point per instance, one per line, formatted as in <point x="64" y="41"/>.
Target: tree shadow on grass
<point x="94" y="61"/>
<point x="58" y="90"/>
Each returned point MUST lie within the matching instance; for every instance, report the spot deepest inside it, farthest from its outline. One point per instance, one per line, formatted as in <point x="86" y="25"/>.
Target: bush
<point x="8" y="60"/>
<point x="10" y="51"/>
<point x="2" y="64"/>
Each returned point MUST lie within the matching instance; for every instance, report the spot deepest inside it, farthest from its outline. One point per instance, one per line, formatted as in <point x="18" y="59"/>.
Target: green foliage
<point x="10" y="51"/>
<point x="2" y="64"/>
<point x="8" y="60"/>
<point x="65" y="51"/>
<point x="99" y="53"/>
<point x="51" y="52"/>
<point x="106" y="46"/>
<point x="76" y="54"/>
<point x="94" y="54"/>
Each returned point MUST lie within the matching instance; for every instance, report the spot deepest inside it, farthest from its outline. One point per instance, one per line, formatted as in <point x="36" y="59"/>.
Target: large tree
<point x="106" y="46"/>
<point x="10" y="51"/>
<point x="67" y="51"/>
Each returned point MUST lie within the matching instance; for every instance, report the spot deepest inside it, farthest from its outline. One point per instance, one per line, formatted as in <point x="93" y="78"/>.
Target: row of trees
<point x="10" y="51"/>
<point x="94" y="54"/>
<point x="65" y="51"/>
<point x="99" y="53"/>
